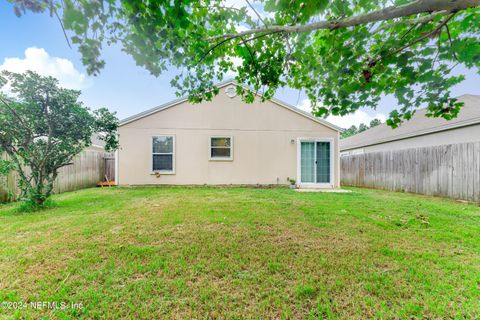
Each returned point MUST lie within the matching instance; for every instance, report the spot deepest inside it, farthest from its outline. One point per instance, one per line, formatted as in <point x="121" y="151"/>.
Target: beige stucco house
<point x="227" y="141"/>
<point x="420" y="131"/>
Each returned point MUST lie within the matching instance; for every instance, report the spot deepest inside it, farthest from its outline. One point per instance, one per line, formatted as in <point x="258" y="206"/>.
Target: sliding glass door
<point x="323" y="162"/>
<point x="315" y="162"/>
<point x="307" y="156"/>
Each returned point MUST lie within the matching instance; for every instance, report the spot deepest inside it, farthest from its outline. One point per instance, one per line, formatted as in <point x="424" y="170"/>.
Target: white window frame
<point x="220" y="158"/>
<point x="153" y="153"/>
<point x="332" y="163"/>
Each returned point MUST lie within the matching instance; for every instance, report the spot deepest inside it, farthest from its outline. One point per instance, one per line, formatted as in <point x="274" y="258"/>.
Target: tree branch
<point x="450" y="41"/>
<point x="420" y="20"/>
<point x="392" y="12"/>
<point x="425" y="36"/>
<point x="12" y="110"/>
<point x="256" y="12"/>
<point x="63" y="28"/>
<point x="226" y="40"/>
<point x="253" y="62"/>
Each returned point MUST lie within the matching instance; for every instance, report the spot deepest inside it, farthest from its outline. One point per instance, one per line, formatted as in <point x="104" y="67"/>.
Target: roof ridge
<point x="221" y="85"/>
<point x="417" y="126"/>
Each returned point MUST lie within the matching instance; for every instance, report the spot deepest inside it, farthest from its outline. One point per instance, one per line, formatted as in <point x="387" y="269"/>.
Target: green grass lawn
<point x="235" y="253"/>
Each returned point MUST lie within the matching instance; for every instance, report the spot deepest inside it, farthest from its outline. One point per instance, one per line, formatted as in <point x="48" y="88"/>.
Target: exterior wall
<point x="263" y="151"/>
<point x="453" y="136"/>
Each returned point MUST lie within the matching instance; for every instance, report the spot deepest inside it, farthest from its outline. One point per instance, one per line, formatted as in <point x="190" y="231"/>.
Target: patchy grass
<point x="242" y="253"/>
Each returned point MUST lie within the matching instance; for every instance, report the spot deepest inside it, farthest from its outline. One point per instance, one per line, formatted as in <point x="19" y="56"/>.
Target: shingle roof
<point x="418" y="125"/>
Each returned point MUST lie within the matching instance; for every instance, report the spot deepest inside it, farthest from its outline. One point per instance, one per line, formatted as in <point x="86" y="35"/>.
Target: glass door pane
<point x="307" y="162"/>
<point x="323" y="162"/>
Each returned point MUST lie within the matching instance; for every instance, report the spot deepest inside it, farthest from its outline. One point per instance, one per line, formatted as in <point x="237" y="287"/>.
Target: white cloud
<point x="348" y="120"/>
<point x="38" y="60"/>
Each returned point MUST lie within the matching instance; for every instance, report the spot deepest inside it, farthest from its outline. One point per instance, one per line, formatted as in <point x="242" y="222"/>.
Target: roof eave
<point x="221" y="85"/>
<point x="415" y="134"/>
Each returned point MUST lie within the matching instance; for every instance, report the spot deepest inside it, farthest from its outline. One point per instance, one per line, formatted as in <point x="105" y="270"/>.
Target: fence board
<point x="476" y="172"/>
<point x="451" y="171"/>
<point x="110" y="167"/>
<point x="88" y="168"/>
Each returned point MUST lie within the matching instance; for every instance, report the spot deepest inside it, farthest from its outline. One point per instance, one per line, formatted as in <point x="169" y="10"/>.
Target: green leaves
<point x="341" y="69"/>
<point x="5" y="167"/>
<point x="106" y="124"/>
<point x="43" y="127"/>
<point x="74" y="19"/>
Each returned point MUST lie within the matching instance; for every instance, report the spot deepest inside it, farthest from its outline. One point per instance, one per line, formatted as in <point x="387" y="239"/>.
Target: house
<point x="420" y="131"/>
<point x="97" y="143"/>
<point x="227" y="141"/>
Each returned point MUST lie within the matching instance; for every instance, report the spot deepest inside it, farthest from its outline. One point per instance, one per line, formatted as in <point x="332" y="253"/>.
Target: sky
<point x="36" y="42"/>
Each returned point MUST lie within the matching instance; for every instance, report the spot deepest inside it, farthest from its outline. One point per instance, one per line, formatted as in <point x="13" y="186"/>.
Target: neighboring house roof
<point x="97" y="142"/>
<point x="417" y="126"/>
<point x="221" y="85"/>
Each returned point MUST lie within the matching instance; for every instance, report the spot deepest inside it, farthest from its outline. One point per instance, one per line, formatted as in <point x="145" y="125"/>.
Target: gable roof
<point x="222" y="85"/>
<point x="417" y="126"/>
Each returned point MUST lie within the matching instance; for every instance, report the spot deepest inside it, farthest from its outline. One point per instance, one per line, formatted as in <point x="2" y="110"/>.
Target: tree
<point x="349" y="132"/>
<point x="362" y="127"/>
<point x="375" y="122"/>
<point x="344" y="55"/>
<point x="42" y="128"/>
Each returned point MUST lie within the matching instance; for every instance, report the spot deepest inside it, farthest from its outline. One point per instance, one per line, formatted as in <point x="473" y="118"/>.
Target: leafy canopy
<point x="343" y="54"/>
<point x="43" y="127"/>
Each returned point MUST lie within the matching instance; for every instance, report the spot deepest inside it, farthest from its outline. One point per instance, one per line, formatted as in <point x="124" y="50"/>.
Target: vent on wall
<point x="231" y="91"/>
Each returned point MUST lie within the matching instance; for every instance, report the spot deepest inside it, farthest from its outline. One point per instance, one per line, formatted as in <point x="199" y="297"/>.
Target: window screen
<point x="162" y="153"/>
<point x="221" y="148"/>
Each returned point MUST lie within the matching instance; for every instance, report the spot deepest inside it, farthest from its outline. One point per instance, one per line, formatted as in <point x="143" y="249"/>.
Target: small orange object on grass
<point x="106" y="183"/>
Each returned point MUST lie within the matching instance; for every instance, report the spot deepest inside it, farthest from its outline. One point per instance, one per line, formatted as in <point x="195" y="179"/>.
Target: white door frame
<point x="299" y="163"/>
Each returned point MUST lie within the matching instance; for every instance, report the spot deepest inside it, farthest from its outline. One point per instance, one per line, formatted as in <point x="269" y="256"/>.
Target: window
<point x="163" y="155"/>
<point x="221" y="148"/>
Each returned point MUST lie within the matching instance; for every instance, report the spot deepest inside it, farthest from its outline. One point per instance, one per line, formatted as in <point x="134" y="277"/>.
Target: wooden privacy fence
<point x="110" y="167"/>
<point x="87" y="170"/>
<point x="451" y="171"/>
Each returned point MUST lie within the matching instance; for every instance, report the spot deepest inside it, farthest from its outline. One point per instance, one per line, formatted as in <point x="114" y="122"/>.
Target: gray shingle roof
<point x="418" y="125"/>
